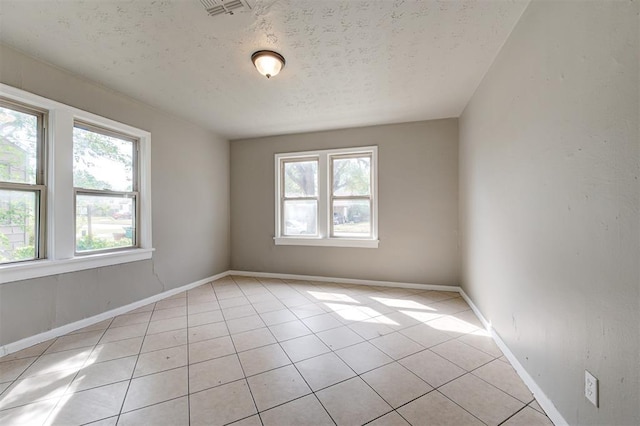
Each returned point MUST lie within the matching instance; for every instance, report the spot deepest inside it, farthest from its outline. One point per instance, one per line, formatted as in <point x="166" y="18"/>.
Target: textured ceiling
<point x="349" y="63"/>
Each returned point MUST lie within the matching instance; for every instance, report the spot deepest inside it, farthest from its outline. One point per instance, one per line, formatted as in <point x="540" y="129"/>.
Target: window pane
<point x="104" y="222"/>
<point x="18" y="146"/>
<point x="352" y="176"/>
<point x="352" y="218"/>
<point x="301" y="179"/>
<point x="17" y="225"/>
<point x="102" y="162"/>
<point x="300" y="217"/>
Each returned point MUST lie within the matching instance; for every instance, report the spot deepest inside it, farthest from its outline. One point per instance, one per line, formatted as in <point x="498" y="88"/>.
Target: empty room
<point x="320" y="212"/>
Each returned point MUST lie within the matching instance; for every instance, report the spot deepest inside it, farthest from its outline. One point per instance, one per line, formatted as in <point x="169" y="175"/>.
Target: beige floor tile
<point x="163" y="314"/>
<point x="75" y="341"/>
<point x="203" y="298"/>
<point x="122" y="333"/>
<point x="391" y="419"/>
<point x="130" y="319"/>
<point x="11" y="370"/>
<point x="240" y="325"/>
<point x="114" y="350"/>
<point x="340" y="337"/>
<point x="401" y="320"/>
<point x="352" y="402"/>
<point x="209" y="349"/>
<point x="4" y="386"/>
<point x="505" y="378"/>
<point x="306" y="311"/>
<point x="171" y="302"/>
<point x="249" y="421"/>
<point x="536" y="406"/>
<point x="155" y="388"/>
<point x="238" y="312"/>
<point x="452" y="326"/>
<point x="268" y="306"/>
<point x="221" y="405"/>
<point x="432" y="368"/>
<point x="480" y="339"/>
<point x="277" y="386"/>
<point x="202" y="318"/>
<point x="262" y="297"/>
<point x="109" y="421"/>
<point x="31" y="414"/>
<point x="324" y="370"/>
<point x="68" y="360"/>
<point x="303" y="411"/>
<point x="425" y="335"/>
<point x="396" y="345"/>
<point x="102" y="325"/>
<point x="214" y="372"/>
<point x="470" y="318"/>
<point x="169" y="324"/>
<point x="277" y="317"/>
<point x="289" y="330"/>
<point x="233" y="302"/>
<point x="36" y="388"/>
<point x="528" y="417"/>
<point x="90" y="405"/>
<point x="253" y="339"/>
<point x="371" y="329"/>
<point x="207" y="331"/>
<point x="436" y="409"/>
<point x="304" y="347"/>
<point x="262" y="359"/>
<point x="198" y="308"/>
<point x="462" y="355"/>
<point x="103" y="373"/>
<point x="481" y="399"/>
<point x="321" y="322"/>
<point x="164" y="340"/>
<point x="363" y="357"/>
<point x="30" y="352"/>
<point x="396" y="384"/>
<point x="161" y="360"/>
<point x="146" y="308"/>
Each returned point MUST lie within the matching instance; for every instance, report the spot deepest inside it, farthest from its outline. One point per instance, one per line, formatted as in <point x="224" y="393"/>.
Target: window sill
<point x="326" y="242"/>
<point x="43" y="268"/>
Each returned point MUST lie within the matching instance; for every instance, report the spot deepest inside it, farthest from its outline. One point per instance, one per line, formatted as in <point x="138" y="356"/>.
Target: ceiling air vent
<point x="217" y="7"/>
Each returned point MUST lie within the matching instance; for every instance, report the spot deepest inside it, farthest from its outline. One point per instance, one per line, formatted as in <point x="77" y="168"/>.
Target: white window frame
<point x="324" y="214"/>
<point x="60" y="220"/>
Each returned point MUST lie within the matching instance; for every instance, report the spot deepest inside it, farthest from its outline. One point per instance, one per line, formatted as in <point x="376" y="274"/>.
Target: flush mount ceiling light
<point x="267" y="62"/>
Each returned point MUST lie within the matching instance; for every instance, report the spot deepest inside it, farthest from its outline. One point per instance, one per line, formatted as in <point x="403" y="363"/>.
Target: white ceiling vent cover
<point x="216" y="7"/>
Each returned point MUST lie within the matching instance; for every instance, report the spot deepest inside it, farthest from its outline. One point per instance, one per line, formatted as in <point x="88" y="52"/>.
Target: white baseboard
<point x="346" y="281"/>
<point x="68" y="328"/>
<point x="541" y="397"/>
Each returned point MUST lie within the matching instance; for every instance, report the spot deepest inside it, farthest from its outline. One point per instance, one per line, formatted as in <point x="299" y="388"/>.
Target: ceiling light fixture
<point x="267" y="62"/>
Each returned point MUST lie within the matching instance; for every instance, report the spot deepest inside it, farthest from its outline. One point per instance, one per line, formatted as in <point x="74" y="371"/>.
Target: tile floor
<point x="248" y="351"/>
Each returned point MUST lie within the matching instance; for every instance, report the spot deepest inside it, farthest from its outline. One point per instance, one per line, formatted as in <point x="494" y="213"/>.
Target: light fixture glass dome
<point x="267" y="62"/>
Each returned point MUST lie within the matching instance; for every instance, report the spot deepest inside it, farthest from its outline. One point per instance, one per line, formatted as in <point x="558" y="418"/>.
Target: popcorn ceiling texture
<point x="349" y="63"/>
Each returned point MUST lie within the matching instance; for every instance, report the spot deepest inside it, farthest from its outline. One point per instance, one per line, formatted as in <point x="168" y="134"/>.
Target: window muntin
<point x="299" y="201"/>
<point x="22" y="182"/>
<point x="351" y="195"/>
<point x="105" y="188"/>
<point x="342" y="194"/>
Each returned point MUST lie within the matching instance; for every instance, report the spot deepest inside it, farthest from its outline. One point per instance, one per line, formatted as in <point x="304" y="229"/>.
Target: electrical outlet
<point x="591" y="387"/>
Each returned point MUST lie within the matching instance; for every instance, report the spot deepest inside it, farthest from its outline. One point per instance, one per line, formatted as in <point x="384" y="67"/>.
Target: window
<point x="327" y="198"/>
<point x="74" y="189"/>
<point x="22" y="183"/>
<point x="105" y="188"/>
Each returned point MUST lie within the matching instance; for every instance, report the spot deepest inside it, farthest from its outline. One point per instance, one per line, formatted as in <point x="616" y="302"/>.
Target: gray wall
<point x="418" y="206"/>
<point x="549" y="201"/>
<point x="190" y="196"/>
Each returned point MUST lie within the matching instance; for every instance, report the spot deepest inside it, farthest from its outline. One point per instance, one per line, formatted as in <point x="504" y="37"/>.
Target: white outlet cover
<point x="591" y="387"/>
